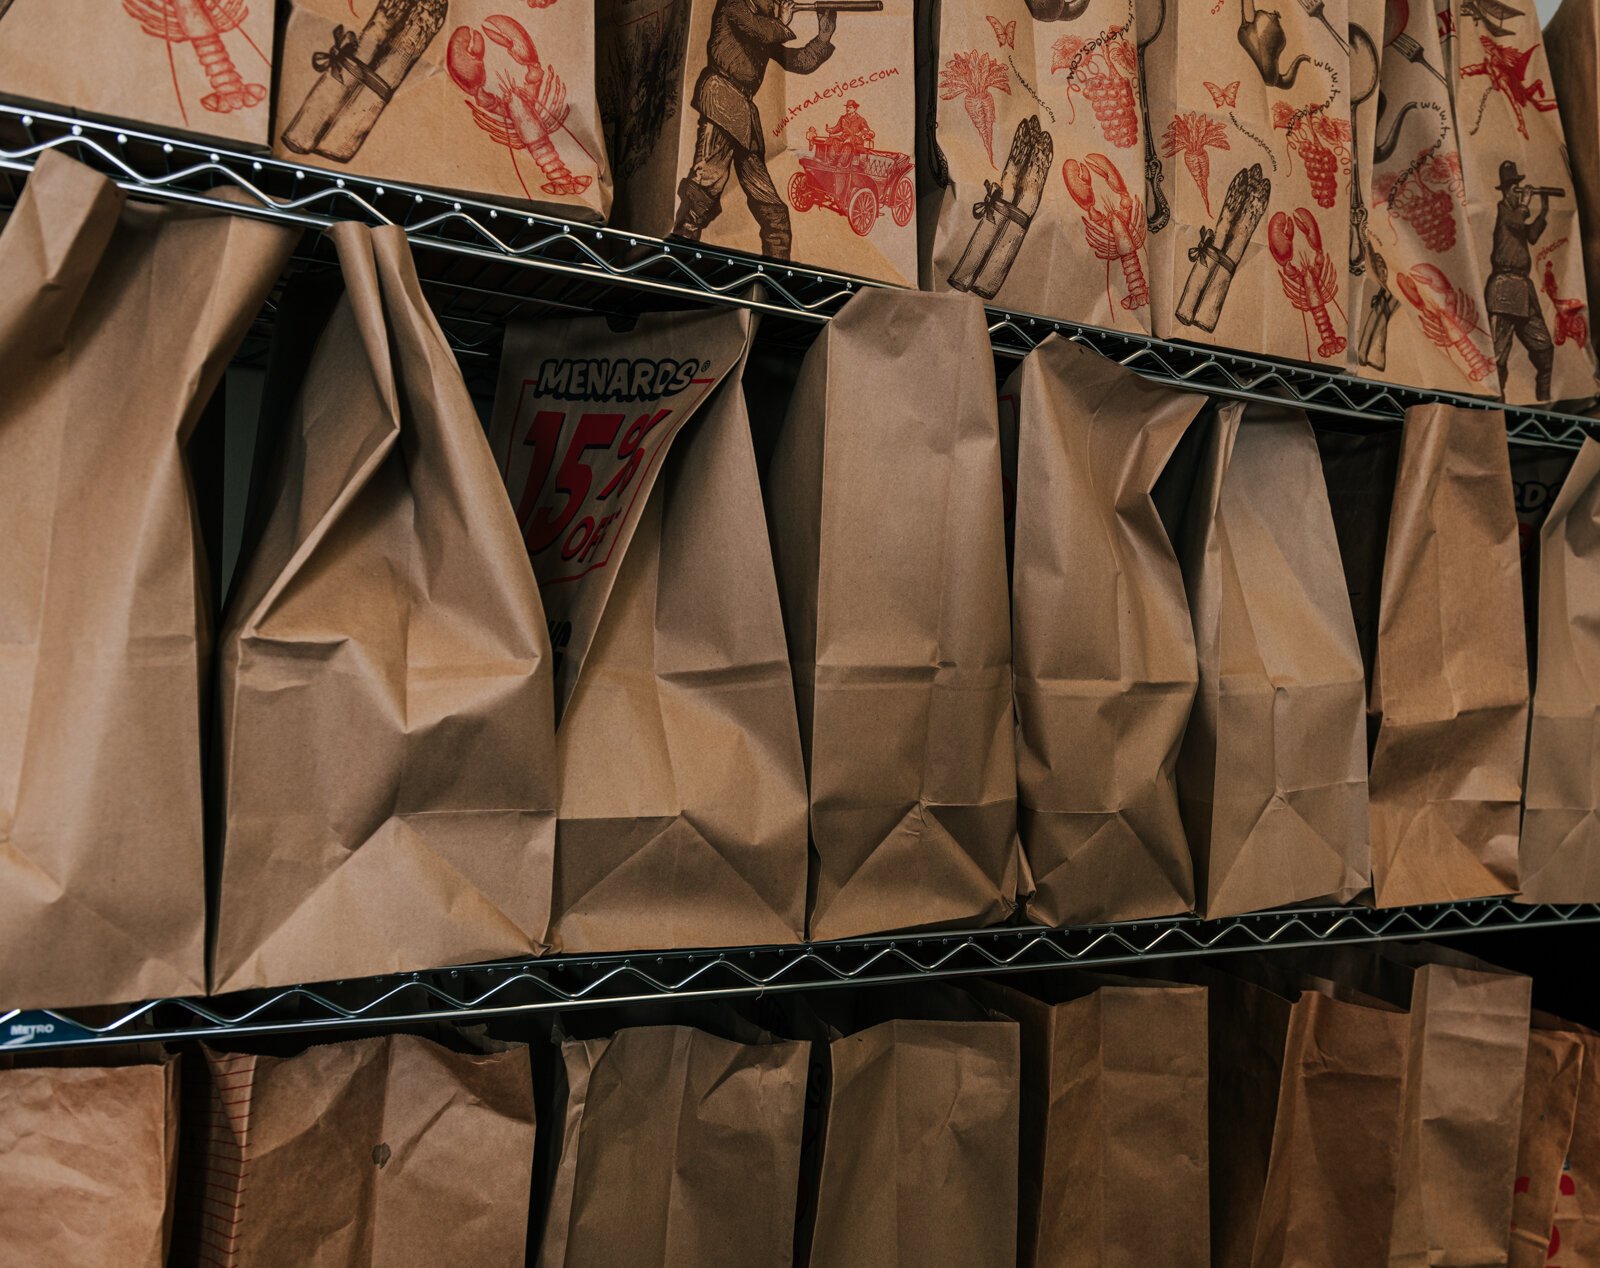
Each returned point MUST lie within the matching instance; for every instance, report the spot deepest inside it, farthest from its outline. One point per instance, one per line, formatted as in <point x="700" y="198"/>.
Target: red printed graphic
<point x="1449" y="317"/>
<point x="1427" y="208"/>
<point x="1309" y="278"/>
<point x="845" y="174"/>
<point x="525" y="114"/>
<point x="1570" y="321"/>
<point x="1005" y="33"/>
<point x="1105" y="71"/>
<point x="1506" y="70"/>
<point x="1115" y="231"/>
<point x="974" y="77"/>
<point x="1323" y="144"/>
<point x="201" y="24"/>
<point x="1192" y="135"/>
<point x="1220" y="96"/>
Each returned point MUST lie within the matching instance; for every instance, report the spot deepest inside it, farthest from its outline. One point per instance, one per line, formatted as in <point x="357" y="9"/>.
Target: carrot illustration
<point x="1192" y="133"/>
<point x="971" y="76"/>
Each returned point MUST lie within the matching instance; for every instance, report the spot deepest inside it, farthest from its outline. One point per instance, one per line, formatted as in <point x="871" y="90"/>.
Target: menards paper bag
<point x="194" y="65"/>
<point x="1559" y="853"/>
<point x="1032" y="163"/>
<point x="782" y="130"/>
<point x="1520" y="207"/>
<point x="474" y="95"/>
<point x="1572" y="51"/>
<point x="116" y="320"/>
<point x="1549" y="1104"/>
<point x="1103" y="660"/>
<point x="683" y="797"/>
<point x="1271" y="774"/>
<point x="387" y="749"/>
<point x="394" y="1152"/>
<point x="884" y="499"/>
<point x="1450" y="686"/>
<point x="1113" y="1120"/>
<point x="87" y="1158"/>
<point x="678" y="1148"/>
<point x="1250" y="110"/>
<point x="1575" y="1235"/>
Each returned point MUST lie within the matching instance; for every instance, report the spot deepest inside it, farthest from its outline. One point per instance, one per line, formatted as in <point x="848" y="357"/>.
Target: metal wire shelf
<point x="564" y="982"/>
<point x="485" y="262"/>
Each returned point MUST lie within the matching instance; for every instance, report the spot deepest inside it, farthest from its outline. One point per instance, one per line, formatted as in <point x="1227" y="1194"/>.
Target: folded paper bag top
<point x="886" y="511"/>
<point x="116" y="320"/>
<point x="386" y="725"/>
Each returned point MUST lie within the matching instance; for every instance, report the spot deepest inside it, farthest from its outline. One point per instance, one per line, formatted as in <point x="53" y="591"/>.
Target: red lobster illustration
<point x="521" y="116"/>
<point x="1506" y="68"/>
<point x="1449" y="316"/>
<point x="1570" y="321"/>
<point x="1116" y="232"/>
<point x="202" y="24"/>
<point x="1308" y="276"/>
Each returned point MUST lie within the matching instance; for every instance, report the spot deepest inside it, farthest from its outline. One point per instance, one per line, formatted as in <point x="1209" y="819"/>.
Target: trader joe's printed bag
<point x="1032" y="182"/>
<point x="1249" y="110"/>
<point x="683" y="800"/>
<point x="1520" y="211"/>
<point x="478" y="95"/>
<point x="735" y="123"/>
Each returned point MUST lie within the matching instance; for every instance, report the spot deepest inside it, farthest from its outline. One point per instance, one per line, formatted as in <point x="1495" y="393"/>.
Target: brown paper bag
<point x="1450" y="687"/>
<point x="1549" y="1103"/>
<point x="1575" y="1236"/>
<point x="388" y="616"/>
<point x="1113" y="1120"/>
<point x="735" y="123"/>
<point x="394" y="1152"/>
<point x="884" y="498"/>
<point x="1359" y="469"/>
<point x="1559" y="854"/>
<point x="1520" y="209"/>
<point x="919" y="1165"/>
<point x="1270" y="774"/>
<point x="116" y="320"/>
<point x="87" y="1158"/>
<point x="1032" y="163"/>
<point x="204" y="66"/>
<point x="683" y="804"/>
<point x="475" y="95"/>
<point x="1537" y="474"/>
<point x="1251" y="111"/>
<point x="1367" y="22"/>
<point x="1104" y="662"/>
<point x="679" y="1148"/>
<point x="1572" y="48"/>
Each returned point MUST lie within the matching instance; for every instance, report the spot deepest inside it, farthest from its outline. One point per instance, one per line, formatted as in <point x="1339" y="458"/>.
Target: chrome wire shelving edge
<point x="482" y="233"/>
<point x="504" y="988"/>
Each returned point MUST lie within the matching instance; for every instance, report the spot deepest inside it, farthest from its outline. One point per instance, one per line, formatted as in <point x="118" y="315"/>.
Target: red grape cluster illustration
<point x="1323" y="143"/>
<point x="1429" y="208"/>
<point x="1103" y="70"/>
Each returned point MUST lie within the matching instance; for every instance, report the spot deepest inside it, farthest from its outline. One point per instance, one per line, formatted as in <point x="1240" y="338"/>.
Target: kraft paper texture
<point x="1549" y="1106"/>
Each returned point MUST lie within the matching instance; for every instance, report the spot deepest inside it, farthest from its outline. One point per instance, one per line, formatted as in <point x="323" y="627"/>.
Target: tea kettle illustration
<point x="1261" y="36"/>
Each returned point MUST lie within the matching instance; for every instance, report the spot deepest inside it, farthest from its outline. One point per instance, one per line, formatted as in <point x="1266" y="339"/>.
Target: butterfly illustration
<point x="1220" y="97"/>
<point x="1005" y="36"/>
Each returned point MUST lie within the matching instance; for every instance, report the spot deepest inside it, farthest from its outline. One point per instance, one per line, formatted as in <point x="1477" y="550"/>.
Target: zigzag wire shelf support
<point x="579" y="255"/>
<point x="562" y="982"/>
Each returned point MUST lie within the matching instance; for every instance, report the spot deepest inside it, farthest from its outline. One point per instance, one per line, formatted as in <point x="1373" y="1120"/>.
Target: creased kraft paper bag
<point x="476" y="95"/>
<point x="1521" y="209"/>
<point x="1103" y="660"/>
<point x="683" y="802"/>
<point x="394" y="1152"/>
<point x="791" y="135"/>
<point x="1450" y="685"/>
<point x="1270" y="775"/>
<point x="1559" y="853"/>
<point x="116" y="320"/>
<point x="884" y="497"/>
<point x="198" y="66"/>
<point x="87" y="1161"/>
<point x="1032" y="159"/>
<point x="1114" y="1081"/>
<point x="1249" y="108"/>
<point x="1549" y="1105"/>
<point x="679" y="1148"/>
<point x="1572" y="49"/>
<point x="387" y="747"/>
<point x="1576" y="1232"/>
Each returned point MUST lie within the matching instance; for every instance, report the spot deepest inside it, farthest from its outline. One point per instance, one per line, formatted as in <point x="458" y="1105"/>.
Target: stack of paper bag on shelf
<point x="630" y="463"/>
<point x="116" y="320"/>
<point x="387" y="753"/>
<point x="1576" y="1228"/>
<point x="473" y="95"/>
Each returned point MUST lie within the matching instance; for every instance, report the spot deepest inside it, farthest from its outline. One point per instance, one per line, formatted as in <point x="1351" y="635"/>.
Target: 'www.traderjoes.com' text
<point x="830" y="94"/>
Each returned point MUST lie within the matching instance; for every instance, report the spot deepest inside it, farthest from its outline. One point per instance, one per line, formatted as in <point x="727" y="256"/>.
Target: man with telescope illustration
<point x="745" y="36"/>
<point x="1509" y="296"/>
